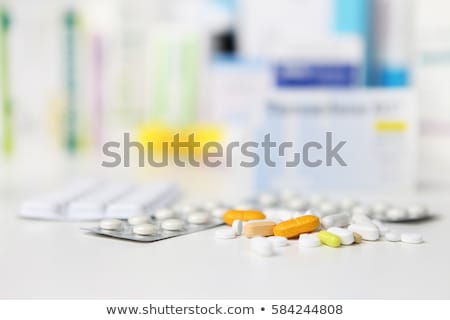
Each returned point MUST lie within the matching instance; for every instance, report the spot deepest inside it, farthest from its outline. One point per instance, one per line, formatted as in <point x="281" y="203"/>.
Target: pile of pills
<point x="314" y="222"/>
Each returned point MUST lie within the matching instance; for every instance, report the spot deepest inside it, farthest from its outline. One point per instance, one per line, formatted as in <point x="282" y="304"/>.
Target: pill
<point x="218" y="212"/>
<point x="345" y="235"/>
<point x="329" y="239"/>
<point x="267" y="200"/>
<point x="198" y="218"/>
<point x="357" y="237"/>
<point x="392" y="236"/>
<point x="145" y="229"/>
<point x="294" y="227"/>
<point x="164" y="213"/>
<point x="138" y="220"/>
<point x="243" y="215"/>
<point x="327" y="208"/>
<point x="307" y="240"/>
<point x="111" y="224"/>
<point x="361" y="210"/>
<point x="367" y="231"/>
<point x="347" y="204"/>
<point x="278" y="241"/>
<point x="411" y="238"/>
<point x="254" y="229"/>
<point x="336" y="220"/>
<point x="396" y="214"/>
<point x="261" y="246"/>
<point x="237" y="227"/>
<point x="172" y="224"/>
<point x="297" y="204"/>
<point x="417" y="212"/>
<point x="359" y="218"/>
<point x="225" y="233"/>
<point x="382" y="228"/>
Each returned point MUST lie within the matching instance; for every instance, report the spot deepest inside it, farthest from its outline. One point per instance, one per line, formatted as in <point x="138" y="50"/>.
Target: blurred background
<point x="376" y="73"/>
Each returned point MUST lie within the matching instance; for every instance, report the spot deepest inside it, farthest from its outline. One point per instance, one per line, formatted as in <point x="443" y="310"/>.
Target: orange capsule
<point x="243" y="215"/>
<point x="294" y="227"/>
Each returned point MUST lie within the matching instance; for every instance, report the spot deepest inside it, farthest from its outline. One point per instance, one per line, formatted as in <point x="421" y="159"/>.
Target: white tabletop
<point x="41" y="259"/>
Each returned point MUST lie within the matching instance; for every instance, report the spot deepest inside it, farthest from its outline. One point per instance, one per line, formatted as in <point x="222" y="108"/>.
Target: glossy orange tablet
<point x="294" y="227"/>
<point x="243" y="215"/>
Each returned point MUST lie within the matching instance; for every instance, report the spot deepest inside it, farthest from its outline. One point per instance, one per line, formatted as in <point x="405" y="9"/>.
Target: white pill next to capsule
<point x="345" y="235"/>
<point x="237" y="227"/>
<point x="172" y="224"/>
<point x="111" y="224"/>
<point x="366" y="231"/>
<point x="307" y="240"/>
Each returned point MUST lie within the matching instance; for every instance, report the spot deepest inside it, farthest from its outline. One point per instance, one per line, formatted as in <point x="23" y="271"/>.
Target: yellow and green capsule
<point x="329" y="239"/>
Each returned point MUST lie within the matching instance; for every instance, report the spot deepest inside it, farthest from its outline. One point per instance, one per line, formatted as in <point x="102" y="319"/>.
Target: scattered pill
<point x="359" y="218"/>
<point x="278" y="241"/>
<point x="417" y="212"/>
<point x="294" y="227"/>
<point x="396" y="214"/>
<point x="345" y="235"/>
<point x="237" y="227"/>
<point x="138" y="220"/>
<point x="411" y="238"/>
<point x="367" y="231"/>
<point x="243" y="215"/>
<point x="308" y="240"/>
<point x="172" y="224"/>
<point x="329" y="239"/>
<point x="164" y="213"/>
<point x="263" y="228"/>
<point x="198" y="218"/>
<point x="336" y="220"/>
<point x="225" y="233"/>
<point x="392" y="236"/>
<point x="382" y="228"/>
<point x="357" y="237"/>
<point x="145" y="229"/>
<point x="111" y="224"/>
<point x="261" y="246"/>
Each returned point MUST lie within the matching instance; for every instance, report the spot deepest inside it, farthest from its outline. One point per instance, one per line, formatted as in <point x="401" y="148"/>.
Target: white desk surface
<point x="55" y="260"/>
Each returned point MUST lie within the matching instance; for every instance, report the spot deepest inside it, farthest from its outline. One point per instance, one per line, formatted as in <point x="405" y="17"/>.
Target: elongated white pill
<point x="146" y="229"/>
<point x="138" y="220"/>
<point x="367" y="231"/>
<point x="278" y="241"/>
<point x="164" y="213"/>
<point x="225" y="233"/>
<point x="111" y="224"/>
<point x="261" y="246"/>
<point x="237" y="227"/>
<point x="335" y="220"/>
<point x="198" y="218"/>
<point x="382" y="228"/>
<point x="172" y="224"/>
<point x="411" y="238"/>
<point x="346" y="235"/>
<point x="392" y="236"/>
<point x="307" y="240"/>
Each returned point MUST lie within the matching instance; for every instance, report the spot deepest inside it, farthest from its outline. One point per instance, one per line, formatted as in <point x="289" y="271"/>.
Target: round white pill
<point x="164" y="213"/>
<point x="345" y="235"/>
<point x="411" y="238"/>
<point x="225" y="233"/>
<point x="396" y="214"/>
<point x="392" y="236"/>
<point x="237" y="227"/>
<point x="218" y="212"/>
<point x="172" y="224"/>
<point x="198" y="218"/>
<point x="417" y="212"/>
<point x="367" y="231"/>
<point x="278" y="241"/>
<point x="261" y="246"/>
<point x="267" y="199"/>
<point x="308" y="240"/>
<point x="146" y="229"/>
<point x="138" y="220"/>
<point x="111" y="224"/>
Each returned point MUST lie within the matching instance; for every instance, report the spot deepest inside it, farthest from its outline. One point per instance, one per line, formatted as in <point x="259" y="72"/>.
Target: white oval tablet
<point x="278" y="241"/>
<point x="308" y="240"/>
<point x="261" y="246"/>
<point x="237" y="227"/>
<point x="172" y="224"/>
<point x="381" y="226"/>
<point x="146" y="229"/>
<point x="396" y="214"/>
<point x="411" y="238"/>
<point x="345" y="235"/>
<point x="335" y="220"/>
<point x="164" y="213"/>
<point x="198" y="218"/>
<point x="392" y="236"/>
<point x="226" y="233"/>
<point x="366" y="231"/>
<point x="138" y="220"/>
<point x="111" y="224"/>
